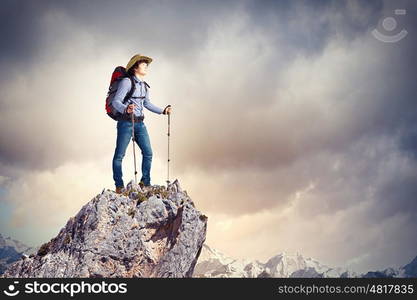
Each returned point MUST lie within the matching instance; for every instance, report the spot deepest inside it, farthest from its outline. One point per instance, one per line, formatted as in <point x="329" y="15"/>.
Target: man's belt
<point x="128" y="117"/>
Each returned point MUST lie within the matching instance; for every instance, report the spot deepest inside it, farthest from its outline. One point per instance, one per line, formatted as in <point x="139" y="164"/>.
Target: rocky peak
<point x="153" y="231"/>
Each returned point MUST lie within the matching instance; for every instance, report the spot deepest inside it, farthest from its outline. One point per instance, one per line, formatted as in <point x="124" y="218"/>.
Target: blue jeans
<point x="124" y="135"/>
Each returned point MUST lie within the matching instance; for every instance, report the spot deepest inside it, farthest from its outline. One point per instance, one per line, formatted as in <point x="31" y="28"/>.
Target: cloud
<point x="339" y="211"/>
<point x="44" y="200"/>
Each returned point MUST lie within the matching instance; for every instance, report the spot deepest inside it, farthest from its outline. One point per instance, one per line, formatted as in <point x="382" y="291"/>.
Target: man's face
<point x="142" y="68"/>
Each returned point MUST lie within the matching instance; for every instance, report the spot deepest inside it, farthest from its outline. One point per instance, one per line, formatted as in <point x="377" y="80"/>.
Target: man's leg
<point x="124" y="133"/>
<point x="144" y="143"/>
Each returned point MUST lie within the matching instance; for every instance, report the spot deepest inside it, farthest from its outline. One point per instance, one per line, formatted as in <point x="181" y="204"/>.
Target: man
<point x="137" y="69"/>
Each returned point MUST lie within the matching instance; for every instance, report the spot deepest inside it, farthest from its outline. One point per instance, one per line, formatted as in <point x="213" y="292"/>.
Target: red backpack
<point x="118" y="74"/>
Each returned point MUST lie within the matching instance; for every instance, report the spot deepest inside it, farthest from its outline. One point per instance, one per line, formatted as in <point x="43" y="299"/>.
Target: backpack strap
<point x="146" y="91"/>
<point x="146" y="87"/>
<point x="130" y="93"/>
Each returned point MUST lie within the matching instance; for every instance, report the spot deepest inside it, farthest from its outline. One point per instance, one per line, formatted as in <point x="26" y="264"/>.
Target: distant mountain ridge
<point x="11" y="250"/>
<point x="407" y="271"/>
<point x="213" y="263"/>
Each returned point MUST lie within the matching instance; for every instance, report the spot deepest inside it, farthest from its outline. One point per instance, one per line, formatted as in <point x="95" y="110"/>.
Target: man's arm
<point x="152" y="107"/>
<point x="122" y="90"/>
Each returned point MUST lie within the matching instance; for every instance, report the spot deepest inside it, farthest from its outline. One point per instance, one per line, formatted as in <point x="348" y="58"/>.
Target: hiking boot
<point x="119" y="189"/>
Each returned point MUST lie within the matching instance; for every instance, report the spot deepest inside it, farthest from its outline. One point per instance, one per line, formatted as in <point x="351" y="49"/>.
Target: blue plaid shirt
<point x="124" y="87"/>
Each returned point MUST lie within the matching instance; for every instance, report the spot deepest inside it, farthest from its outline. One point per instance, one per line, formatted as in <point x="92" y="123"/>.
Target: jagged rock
<point x="144" y="232"/>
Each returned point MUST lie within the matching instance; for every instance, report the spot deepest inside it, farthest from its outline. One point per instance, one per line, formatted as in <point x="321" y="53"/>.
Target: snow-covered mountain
<point x="296" y="265"/>
<point x="213" y="263"/>
<point x="11" y="250"/>
<point x="409" y="270"/>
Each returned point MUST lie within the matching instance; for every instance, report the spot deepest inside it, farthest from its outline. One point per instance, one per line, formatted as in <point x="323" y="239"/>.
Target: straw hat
<point x="137" y="57"/>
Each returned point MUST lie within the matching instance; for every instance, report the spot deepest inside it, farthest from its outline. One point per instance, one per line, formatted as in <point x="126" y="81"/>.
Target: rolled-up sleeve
<point x="150" y="106"/>
<point x="122" y="90"/>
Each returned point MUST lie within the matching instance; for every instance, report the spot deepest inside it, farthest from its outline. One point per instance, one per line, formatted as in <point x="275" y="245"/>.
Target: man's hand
<point x="167" y="110"/>
<point x="130" y="108"/>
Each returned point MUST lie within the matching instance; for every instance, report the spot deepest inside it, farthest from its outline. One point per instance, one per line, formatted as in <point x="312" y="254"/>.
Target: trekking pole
<point x="133" y="144"/>
<point x="169" y="125"/>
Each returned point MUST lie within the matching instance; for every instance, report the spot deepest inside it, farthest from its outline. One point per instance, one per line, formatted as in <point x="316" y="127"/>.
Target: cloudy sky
<point x="293" y="128"/>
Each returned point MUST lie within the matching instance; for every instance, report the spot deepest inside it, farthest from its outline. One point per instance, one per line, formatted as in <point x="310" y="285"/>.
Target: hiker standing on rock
<point x="134" y="90"/>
